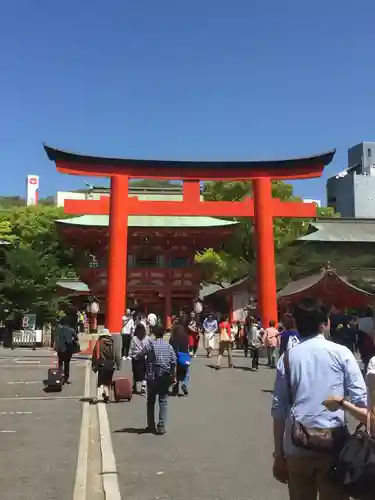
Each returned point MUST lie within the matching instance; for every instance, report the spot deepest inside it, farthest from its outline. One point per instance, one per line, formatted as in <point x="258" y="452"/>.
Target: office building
<point x="352" y="192"/>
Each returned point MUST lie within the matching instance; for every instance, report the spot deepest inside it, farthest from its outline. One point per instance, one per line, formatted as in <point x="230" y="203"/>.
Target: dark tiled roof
<point x="303" y="284"/>
<point x="342" y="230"/>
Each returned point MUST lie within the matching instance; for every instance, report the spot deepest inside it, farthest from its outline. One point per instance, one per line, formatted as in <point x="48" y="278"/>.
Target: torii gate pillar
<point x="265" y="252"/>
<point x="117" y="253"/>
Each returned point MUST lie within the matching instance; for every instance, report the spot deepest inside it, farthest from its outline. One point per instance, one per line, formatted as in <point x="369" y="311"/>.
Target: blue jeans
<point x="186" y="379"/>
<point x="157" y="388"/>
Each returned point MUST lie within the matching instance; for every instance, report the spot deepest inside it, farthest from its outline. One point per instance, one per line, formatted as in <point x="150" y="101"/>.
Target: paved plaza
<point x="39" y="432"/>
<point x="218" y="445"/>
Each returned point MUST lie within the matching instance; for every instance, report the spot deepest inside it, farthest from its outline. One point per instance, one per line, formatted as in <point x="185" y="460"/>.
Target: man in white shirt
<point x="127" y="331"/>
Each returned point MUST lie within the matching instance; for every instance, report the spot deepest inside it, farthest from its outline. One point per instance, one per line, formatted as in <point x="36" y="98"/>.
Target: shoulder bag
<point x="353" y="468"/>
<point x="327" y="440"/>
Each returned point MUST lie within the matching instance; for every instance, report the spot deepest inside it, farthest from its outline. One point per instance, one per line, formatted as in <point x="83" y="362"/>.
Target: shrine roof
<point x="211" y="289"/>
<point x="344" y="230"/>
<point x="74" y="285"/>
<point x="245" y="283"/>
<point x="302" y="167"/>
<point x="148" y="221"/>
<point x="304" y="284"/>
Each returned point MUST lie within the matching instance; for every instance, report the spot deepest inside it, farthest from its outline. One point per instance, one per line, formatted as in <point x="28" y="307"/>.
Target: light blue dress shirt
<point x="319" y="368"/>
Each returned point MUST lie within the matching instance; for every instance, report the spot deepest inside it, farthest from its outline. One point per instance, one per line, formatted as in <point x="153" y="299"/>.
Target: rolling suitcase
<point x="54" y="380"/>
<point x="122" y="389"/>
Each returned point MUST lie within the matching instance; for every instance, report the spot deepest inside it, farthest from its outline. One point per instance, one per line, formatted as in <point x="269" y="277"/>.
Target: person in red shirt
<point x="225" y="342"/>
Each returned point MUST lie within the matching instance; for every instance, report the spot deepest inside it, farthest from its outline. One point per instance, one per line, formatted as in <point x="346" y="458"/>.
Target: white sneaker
<point x="124" y="357"/>
<point x="129" y="358"/>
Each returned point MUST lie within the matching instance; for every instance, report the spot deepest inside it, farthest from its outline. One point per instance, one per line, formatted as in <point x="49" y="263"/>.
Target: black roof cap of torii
<point x="59" y="155"/>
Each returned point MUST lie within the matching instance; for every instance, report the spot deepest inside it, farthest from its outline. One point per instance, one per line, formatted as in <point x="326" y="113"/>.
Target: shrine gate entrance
<point x="119" y="206"/>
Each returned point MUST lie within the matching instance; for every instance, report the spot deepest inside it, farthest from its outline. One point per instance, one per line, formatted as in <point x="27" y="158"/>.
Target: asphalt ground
<point x="39" y="432"/>
<point x="218" y="444"/>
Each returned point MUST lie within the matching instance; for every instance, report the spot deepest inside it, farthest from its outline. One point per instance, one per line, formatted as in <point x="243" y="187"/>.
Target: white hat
<point x="104" y="332"/>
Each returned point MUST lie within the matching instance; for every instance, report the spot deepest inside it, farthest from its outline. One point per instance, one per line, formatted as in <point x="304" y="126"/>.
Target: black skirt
<point x="104" y="376"/>
<point x="139" y="370"/>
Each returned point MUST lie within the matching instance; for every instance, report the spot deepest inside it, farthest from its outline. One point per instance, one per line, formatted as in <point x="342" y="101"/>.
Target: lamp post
<point x="92" y="308"/>
<point x="252" y="304"/>
<point x="198" y="308"/>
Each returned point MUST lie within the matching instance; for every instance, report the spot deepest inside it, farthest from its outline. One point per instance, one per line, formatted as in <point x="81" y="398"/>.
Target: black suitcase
<point x="54" y="380"/>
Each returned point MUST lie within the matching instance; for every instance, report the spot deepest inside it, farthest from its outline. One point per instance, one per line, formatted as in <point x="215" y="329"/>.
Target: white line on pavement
<point x="109" y="469"/>
<point x="26" y="382"/>
<point x="83" y="450"/>
<point x="16" y="412"/>
<point x="39" y="398"/>
<point x="20" y="365"/>
<point x="7" y="432"/>
<point x="26" y="362"/>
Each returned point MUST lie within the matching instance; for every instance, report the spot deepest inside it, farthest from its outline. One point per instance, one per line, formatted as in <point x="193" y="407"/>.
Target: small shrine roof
<point x="74" y="285"/>
<point x="210" y="289"/>
<point x="345" y="230"/>
<point x="303" y="284"/>
<point x="148" y="221"/>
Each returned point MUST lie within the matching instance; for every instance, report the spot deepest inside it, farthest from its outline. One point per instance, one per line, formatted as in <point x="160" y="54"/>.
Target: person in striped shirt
<point x="161" y="374"/>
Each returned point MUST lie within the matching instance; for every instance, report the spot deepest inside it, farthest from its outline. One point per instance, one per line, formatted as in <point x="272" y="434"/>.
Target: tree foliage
<point x="236" y="258"/>
<point x="34" y="261"/>
<point x="29" y="284"/>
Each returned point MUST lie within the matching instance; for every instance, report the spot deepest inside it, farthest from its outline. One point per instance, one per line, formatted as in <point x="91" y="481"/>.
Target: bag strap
<point x="97" y="350"/>
<point x="288" y="378"/>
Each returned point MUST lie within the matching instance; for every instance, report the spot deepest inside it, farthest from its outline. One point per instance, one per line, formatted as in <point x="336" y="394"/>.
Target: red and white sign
<point x="32" y="190"/>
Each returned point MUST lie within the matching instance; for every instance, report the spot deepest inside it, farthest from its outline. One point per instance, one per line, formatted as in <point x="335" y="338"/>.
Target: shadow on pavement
<point x="243" y="368"/>
<point x="267" y="391"/>
<point x="132" y="430"/>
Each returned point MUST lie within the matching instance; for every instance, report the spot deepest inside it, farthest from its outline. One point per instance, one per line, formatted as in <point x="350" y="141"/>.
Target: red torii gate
<point x="119" y="206"/>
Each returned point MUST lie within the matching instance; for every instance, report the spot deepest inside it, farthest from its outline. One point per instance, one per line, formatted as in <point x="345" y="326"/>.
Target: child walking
<point x="103" y="363"/>
<point x="138" y="342"/>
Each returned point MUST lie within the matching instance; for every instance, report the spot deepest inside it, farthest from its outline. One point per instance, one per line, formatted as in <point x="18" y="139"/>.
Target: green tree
<point x="28" y="284"/>
<point x="34" y="262"/>
<point x="34" y="227"/>
<point x="237" y="256"/>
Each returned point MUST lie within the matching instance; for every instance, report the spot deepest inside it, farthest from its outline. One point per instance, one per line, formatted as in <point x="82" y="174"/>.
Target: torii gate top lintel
<point x="295" y="168"/>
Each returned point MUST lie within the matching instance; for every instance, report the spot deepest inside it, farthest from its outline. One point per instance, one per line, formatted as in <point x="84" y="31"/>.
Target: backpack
<point x="354" y="467"/>
<point x="183" y="358"/>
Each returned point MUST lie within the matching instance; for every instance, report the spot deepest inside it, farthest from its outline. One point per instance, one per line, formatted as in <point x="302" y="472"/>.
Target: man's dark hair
<point x="178" y="333"/>
<point x="139" y="326"/>
<point x="158" y="331"/>
<point x="309" y="315"/>
<point x="369" y="312"/>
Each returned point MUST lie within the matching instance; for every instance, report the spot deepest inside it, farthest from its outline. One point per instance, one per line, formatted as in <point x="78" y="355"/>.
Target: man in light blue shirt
<point x="318" y="368"/>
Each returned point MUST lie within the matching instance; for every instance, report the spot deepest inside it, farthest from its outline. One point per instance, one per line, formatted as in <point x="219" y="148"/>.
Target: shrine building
<point x="162" y="275"/>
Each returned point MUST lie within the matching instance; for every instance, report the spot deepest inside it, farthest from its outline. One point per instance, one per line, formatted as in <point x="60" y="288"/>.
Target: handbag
<point x="322" y="440"/>
<point x="353" y="468"/>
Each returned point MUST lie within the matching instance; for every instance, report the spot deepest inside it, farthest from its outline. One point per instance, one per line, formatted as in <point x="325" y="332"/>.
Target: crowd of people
<point x="318" y="378"/>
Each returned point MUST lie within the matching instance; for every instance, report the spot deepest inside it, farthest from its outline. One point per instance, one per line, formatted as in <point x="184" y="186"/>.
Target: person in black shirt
<point x="180" y="342"/>
<point x="66" y="344"/>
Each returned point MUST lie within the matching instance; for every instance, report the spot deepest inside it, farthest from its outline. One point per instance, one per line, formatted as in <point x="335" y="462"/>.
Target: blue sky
<point x="174" y="79"/>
